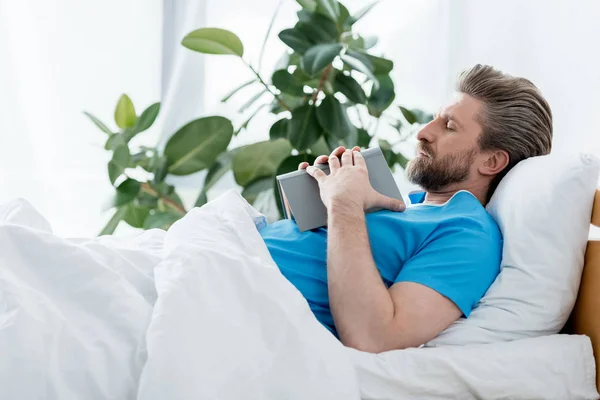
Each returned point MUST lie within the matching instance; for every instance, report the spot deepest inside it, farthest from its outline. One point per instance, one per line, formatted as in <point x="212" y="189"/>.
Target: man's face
<point x="448" y="146"/>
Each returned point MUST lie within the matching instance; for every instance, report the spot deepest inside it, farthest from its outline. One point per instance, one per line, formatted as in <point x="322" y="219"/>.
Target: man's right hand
<point x="324" y="159"/>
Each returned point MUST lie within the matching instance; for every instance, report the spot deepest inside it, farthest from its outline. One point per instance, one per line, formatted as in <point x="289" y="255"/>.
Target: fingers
<point x="324" y="159"/>
<point x="315" y="173"/>
<point x="390" y="203"/>
<point x="359" y="161"/>
<point x="338" y="151"/>
<point x="334" y="163"/>
<point x="321" y="160"/>
<point x="347" y="158"/>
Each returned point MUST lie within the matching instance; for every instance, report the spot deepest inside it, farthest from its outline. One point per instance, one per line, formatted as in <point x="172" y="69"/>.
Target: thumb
<point x="389" y="203"/>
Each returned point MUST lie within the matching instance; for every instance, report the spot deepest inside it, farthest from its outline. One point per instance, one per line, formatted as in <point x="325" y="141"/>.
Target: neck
<point x="443" y="195"/>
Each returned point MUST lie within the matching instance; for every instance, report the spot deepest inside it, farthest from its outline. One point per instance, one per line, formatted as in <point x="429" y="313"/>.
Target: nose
<point x="427" y="133"/>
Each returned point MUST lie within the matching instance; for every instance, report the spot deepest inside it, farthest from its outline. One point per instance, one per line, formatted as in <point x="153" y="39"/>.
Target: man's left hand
<point x="347" y="185"/>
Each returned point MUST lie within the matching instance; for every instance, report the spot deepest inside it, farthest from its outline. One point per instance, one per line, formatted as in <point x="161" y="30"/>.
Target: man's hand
<point x="347" y="184"/>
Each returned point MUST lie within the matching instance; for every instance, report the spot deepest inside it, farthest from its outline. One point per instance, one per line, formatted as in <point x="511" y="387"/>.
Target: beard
<point x="434" y="174"/>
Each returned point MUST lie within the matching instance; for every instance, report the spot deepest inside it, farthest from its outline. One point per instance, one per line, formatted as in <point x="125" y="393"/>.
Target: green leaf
<point x="333" y="117"/>
<point x="147" y="118"/>
<point x="295" y="39"/>
<point x="363" y="11"/>
<point x="332" y="140"/>
<point x="202" y="199"/>
<point x="252" y="100"/>
<point x="237" y="89"/>
<point x="416" y="116"/>
<point x="136" y="214"/>
<point x="319" y="56"/>
<point x="408" y="115"/>
<point x="218" y="169"/>
<point x="364" y="139"/>
<point x="309" y="5"/>
<point x="98" y="123"/>
<point x="381" y="66"/>
<point x="303" y="130"/>
<point x="401" y="160"/>
<point x="292" y="102"/>
<point x="140" y="159"/>
<point x="329" y="8"/>
<point x="354" y="42"/>
<point x="161" y="220"/>
<point x="317" y="28"/>
<point x="160" y="170"/>
<point x="291" y="163"/>
<point x="254" y="188"/>
<point x="320" y="147"/>
<point x="126" y="192"/>
<point x="259" y="160"/>
<point x="125" y="116"/>
<point x="370" y="42"/>
<point x="351" y="139"/>
<point x="361" y="64"/>
<point x="344" y="19"/>
<point x="214" y="41"/>
<point x="115" y="140"/>
<point x="301" y="76"/>
<point x="120" y="160"/>
<point x="295" y="59"/>
<point x="388" y="153"/>
<point x="383" y="97"/>
<point x="196" y="145"/>
<point x="279" y="129"/>
<point x="163" y="188"/>
<point x="287" y="83"/>
<point x="113" y="222"/>
<point x="350" y="88"/>
<point x="146" y="199"/>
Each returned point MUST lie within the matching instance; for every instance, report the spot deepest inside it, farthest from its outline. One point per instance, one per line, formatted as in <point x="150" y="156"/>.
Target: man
<point x="396" y="279"/>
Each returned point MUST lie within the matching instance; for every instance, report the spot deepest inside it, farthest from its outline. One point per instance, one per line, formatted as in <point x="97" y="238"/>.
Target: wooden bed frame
<point x="585" y="318"/>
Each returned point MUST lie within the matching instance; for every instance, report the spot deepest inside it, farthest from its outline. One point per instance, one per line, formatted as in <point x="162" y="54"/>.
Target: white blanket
<point x="202" y="312"/>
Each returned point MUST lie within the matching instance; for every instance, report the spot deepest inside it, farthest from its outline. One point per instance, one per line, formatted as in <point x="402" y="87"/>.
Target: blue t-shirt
<point x="453" y="248"/>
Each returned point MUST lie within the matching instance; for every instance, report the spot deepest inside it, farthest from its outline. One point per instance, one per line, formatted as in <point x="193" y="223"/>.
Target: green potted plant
<point x="329" y="89"/>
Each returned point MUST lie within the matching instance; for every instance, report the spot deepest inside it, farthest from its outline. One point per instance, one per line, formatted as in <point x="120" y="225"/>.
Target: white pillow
<point x="543" y="208"/>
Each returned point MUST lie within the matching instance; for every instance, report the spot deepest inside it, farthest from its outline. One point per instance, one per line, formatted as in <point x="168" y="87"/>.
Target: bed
<point x="585" y="318"/>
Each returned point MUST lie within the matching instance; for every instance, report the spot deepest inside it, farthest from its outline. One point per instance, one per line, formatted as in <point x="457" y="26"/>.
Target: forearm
<point x="360" y="302"/>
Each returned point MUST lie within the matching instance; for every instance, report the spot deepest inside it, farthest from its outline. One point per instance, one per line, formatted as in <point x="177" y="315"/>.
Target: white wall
<point x="58" y="58"/>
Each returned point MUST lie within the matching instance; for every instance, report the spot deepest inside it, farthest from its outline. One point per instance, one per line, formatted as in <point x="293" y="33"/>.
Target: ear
<point x="495" y="162"/>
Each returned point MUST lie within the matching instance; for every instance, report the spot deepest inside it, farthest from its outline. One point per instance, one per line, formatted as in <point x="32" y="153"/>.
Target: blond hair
<point x="515" y="116"/>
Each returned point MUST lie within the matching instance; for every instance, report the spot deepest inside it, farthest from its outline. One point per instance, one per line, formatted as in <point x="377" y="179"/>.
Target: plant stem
<point x="260" y="79"/>
<point x="146" y="188"/>
<point x="321" y="82"/>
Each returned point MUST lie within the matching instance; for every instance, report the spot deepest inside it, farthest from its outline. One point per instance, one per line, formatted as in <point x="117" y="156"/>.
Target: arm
<point x="367" y="315"/>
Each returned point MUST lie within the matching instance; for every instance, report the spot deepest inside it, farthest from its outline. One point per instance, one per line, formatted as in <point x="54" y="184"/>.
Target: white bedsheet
<point x="202" y="312"/>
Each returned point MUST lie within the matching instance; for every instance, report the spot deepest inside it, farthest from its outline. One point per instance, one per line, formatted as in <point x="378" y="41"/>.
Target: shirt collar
<point x="417" y="197"/>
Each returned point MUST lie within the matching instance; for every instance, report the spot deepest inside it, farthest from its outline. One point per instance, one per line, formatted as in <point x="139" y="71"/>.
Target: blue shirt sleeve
<point x="458" y="263"/>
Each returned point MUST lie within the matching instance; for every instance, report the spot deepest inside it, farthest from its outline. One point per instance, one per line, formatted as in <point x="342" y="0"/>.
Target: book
<point x="301" y="200"/>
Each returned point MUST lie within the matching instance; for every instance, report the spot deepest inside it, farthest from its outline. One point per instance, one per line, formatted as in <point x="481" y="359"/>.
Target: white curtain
<point x="59" y="58"/>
